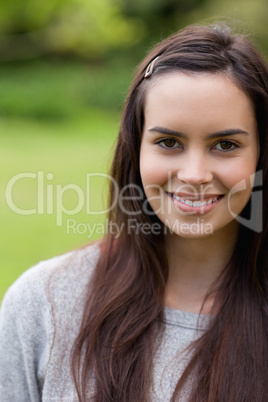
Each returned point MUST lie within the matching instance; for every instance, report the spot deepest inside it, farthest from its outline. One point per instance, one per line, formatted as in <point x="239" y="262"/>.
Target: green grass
<point x="58" y="118"/>
<point x="69" y="150"/>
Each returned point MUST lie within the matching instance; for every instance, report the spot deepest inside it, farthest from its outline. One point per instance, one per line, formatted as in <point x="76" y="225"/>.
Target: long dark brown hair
<point x="124" y="309"/>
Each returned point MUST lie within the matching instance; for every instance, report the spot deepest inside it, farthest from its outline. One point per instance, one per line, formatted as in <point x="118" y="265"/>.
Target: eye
<point x="169" y="143"/>
<point x="226" y="146"/>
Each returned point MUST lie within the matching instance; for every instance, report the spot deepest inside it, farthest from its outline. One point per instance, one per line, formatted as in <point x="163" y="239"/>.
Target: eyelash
<point x="180" y="146"/>
<point x="168" y="139"/>
<point x="234" y="146"/>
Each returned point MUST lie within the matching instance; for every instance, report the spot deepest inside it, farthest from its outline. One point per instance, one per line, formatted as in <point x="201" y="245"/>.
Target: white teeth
<point x="195" y="203"/>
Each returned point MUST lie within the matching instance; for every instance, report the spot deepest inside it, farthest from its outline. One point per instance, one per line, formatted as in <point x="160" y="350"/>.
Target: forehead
<point x="194" y="99"/>
<point x="195" y="86"/>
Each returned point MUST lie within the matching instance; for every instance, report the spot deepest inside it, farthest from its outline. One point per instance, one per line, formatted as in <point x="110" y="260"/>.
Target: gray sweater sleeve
<point x="42" y="309"/>
<point x="23" y="342"/>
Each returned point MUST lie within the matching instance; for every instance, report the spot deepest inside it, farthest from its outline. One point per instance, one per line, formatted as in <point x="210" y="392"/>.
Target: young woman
<point x="172" y="306"/>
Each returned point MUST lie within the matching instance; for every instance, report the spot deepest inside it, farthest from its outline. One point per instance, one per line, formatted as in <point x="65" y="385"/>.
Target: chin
<point x="193" y="230"/>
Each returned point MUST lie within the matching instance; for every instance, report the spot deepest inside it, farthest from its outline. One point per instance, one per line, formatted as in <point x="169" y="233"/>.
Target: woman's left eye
<point x="169" y="143"/>
<point x="225" y="146"/>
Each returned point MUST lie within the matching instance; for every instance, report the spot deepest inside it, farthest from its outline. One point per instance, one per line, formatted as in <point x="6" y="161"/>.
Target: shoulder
<point x="52" y="282"/>
<point x="39" y="312"/>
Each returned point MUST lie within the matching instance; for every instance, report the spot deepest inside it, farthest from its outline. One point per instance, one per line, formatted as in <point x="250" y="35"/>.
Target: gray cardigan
<point x="39" y="321"/>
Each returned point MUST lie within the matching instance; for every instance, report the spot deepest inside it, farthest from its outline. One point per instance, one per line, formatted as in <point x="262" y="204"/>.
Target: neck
<point x="194" y="265"/>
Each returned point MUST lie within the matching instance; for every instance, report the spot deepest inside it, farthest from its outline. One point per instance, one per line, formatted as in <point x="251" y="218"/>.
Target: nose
<point x="195" y="169"/>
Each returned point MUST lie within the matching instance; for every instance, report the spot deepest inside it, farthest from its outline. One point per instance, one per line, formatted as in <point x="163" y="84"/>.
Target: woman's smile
<point x="199" y="205"/>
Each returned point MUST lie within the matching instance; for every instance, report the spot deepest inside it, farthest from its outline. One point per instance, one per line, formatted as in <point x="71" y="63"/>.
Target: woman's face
<point x="199" y="152"/>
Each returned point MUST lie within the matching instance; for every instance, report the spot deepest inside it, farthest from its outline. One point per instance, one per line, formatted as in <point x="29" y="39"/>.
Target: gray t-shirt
<point x="39" y="321"/>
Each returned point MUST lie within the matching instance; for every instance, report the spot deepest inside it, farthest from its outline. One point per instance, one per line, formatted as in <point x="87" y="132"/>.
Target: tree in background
<point x="161" y="16"/>
<point x="91" y="28"/>
<point x="85" y="28"/>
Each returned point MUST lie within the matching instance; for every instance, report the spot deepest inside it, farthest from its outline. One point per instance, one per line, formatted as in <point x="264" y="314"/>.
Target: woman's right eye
<point x="169" y="143"/>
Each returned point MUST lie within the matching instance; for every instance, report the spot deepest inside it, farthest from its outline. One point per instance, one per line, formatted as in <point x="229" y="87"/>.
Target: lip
<point x="196" y="204"/>
<point x="196" y="196"/>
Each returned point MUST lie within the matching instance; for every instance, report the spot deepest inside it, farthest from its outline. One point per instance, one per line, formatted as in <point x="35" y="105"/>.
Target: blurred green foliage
<point x="44" y="90"/>
<point x="91" y="29"/>
<point x="85" y="28"/>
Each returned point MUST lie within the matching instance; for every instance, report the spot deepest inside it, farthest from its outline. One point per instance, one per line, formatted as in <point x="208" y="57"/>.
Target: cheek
<point x="154" y="176"/>
<point x="238" y="181"/>
<point x="153" y="171"/>
<point x="237" y="175"/>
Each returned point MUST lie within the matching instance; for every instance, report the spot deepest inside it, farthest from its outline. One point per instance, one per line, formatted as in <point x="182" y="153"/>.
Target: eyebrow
<point x="223" y="133"/>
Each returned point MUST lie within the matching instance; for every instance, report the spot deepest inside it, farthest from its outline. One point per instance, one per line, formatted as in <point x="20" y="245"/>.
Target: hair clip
<point x="150" y="68"/>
